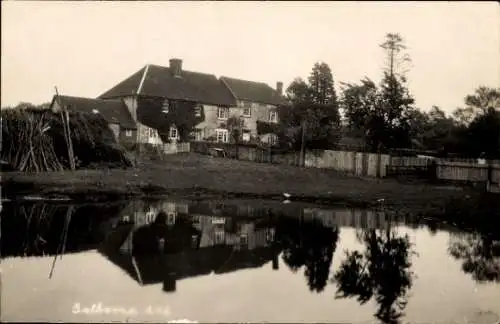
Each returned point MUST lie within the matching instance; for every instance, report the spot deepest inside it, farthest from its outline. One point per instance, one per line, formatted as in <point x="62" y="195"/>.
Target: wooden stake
<point x="62" y="242"/>
<point x="67" y="134"/>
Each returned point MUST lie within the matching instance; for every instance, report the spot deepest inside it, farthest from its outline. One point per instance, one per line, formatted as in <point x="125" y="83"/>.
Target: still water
<point x="241" y="261"/>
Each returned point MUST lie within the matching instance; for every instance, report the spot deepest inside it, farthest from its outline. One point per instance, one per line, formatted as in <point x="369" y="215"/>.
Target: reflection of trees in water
<point x="480" y="254"/>
<point x="476" y="238"/>
<point x="309" y="244"/>
<point x="37" y="228"/>
<point x="381" y="271"/>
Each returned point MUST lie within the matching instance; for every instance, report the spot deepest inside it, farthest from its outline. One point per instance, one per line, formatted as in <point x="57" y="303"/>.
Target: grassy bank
<point x="189" y="175"/>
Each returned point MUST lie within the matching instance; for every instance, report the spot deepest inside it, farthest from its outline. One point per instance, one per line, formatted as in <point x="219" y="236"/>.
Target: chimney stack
<point x="279" y="87"/>
<point x="176" y="67"/>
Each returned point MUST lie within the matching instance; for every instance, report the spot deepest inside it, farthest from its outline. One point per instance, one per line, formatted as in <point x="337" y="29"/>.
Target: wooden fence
<point x="356" y="163"/>
<point x="468" y="172"/>
<point x="360" y="164"/>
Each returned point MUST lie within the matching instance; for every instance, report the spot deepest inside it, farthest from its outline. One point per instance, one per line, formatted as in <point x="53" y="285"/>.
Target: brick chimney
<point x="176" y="67"/>
<point x="279" y="87"/>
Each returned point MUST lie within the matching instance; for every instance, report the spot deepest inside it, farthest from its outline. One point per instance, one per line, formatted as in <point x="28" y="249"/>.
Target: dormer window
<point x="197" y="110"/>
<point x="165" y="108"/>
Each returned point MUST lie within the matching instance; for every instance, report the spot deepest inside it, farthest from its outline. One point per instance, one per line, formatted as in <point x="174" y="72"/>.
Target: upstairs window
<point x="165" y="108"/>
<point x="247" y="109"/>
<point x="197" y="110"/>
<point x="273" y="116"/>
<point x="222" y="112"/>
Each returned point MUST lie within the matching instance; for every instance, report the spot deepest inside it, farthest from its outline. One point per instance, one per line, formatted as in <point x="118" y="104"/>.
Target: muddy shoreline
<point x="199" y="177"/>
<point x="26" y="191"/>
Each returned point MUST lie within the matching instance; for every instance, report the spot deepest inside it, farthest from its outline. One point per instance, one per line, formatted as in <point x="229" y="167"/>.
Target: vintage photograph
<point x="250" y="162"/>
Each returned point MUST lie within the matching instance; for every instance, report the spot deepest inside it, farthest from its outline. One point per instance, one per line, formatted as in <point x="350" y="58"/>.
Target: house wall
<point x="127" y="141"/>
<point x="116" y="130"/>
<point x="142" y="134"/>
<point x="212" y="122"/>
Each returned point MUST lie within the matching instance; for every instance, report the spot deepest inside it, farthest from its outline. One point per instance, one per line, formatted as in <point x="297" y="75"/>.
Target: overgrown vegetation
<point x="161" y="115"/>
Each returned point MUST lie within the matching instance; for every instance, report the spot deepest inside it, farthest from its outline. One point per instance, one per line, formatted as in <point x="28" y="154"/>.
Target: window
<point x="219" y="237"/>
<point x="222" y="112"/>
<point x="152" y="132"/>
<point x="218" y="220"/>
<point x="165" y="108"/>
<point x="270" y="234"/>
<point x="273" y="116"/>
<point x="246" y="137"/>
<point x="171" y="218"/>
<point x="196" y="134"/>
<point x="273" y="139"/>
<point x="247" y="109"/>
<point x="197" y="110"/>
<point x="128" y="133"/>
<point x="242" y="123"/>
<point x="194" y="241"/>
<point x="243" y="239"/>
<point x="173" y="132"/>
<point x="222" y="135"/>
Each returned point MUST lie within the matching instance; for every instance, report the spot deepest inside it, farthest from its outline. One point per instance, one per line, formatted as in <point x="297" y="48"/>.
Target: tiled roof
<point x="159" y="81"/>
<point x="253" y="91"/>
<point x="113" y="110"/>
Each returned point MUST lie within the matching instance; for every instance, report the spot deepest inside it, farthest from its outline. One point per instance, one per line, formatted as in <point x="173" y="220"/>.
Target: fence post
<point x="378" y="164"/>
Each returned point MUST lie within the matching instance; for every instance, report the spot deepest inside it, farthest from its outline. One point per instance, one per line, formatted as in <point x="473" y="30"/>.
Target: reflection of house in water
<point x="198" y="241"/>
<point x="366" y="219"/>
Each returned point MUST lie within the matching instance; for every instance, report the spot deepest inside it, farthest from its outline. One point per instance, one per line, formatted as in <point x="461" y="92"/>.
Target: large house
<point x="154" y="92"/>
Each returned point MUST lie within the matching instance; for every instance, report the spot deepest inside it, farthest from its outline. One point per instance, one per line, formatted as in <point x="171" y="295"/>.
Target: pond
<point x="241" y="261"/>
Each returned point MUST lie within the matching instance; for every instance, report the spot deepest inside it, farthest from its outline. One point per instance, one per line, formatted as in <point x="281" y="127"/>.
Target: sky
<point x="85" y="48"/>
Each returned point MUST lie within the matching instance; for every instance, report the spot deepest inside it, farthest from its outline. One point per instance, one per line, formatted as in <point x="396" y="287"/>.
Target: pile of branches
<point x="34" y="141"/>
<point x="26" y="143"/>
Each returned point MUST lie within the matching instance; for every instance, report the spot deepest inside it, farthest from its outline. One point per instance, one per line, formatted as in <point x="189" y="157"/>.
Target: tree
<point x="383" y="112"/>
<point x="483" y="99"/>
<point x="315" y="105"/>
<point x="360" y="104"/>
<point x="393" y="46"/>
<point x="321" y="85"/>
<point x="233" y="125"/>
<point x="298" y="91"/>
<point x="483" y="135"/>
<point x="463" y="116"/>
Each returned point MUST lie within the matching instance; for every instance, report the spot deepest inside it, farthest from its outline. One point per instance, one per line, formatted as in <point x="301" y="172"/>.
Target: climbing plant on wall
<point x="161" y="114"/>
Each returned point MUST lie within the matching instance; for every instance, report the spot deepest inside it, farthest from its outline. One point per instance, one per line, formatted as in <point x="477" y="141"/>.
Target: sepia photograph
<point x="250" y="162"/>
